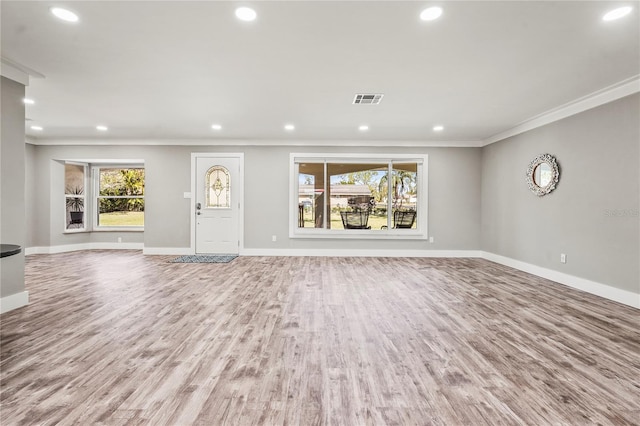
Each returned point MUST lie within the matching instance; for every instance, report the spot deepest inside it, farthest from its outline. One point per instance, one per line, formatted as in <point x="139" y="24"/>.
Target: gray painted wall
<point x="454" y="196"/>
<point x="31" y="195"/>
<point x="12" y="185"/>
<point x="592" y="216"/>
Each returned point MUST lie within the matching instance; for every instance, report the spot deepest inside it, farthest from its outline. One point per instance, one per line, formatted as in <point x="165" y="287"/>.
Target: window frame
<point x="419" y="233"/>
<point x="207" y="195"/>
<point x="85" y="197"/>
<point x="95" y="196"/>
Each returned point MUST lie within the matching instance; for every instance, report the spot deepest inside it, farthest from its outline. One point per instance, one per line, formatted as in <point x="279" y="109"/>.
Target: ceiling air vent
<point x="361" y="99"/>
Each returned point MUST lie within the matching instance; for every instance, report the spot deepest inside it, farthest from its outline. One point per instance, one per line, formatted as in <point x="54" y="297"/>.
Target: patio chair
<point x="300" y="215"/>
<point x="403" y="219"/>
<point x="355" y="220"/>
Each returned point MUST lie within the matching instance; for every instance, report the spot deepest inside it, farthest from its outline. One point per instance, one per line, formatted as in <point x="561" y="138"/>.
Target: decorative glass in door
<point x="218" y="188"/>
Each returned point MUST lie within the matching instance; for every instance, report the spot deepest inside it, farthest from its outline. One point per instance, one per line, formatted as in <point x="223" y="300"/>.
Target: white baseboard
<point x="35" y="250"/>
<point x="181" y="251"/>
<point x="603" y="290"/>
<point x="359" y="253"/>
<point x="167" y="251"/>
<point x="14" y="301"/>
<point x="87" y="246"/>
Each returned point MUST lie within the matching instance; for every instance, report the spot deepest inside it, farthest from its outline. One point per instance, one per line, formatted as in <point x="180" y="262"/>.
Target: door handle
<point x="198" y="208"/>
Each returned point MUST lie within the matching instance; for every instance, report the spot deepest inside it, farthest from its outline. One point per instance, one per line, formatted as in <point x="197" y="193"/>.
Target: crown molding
<point x="13" y="73"/>
<point x="251" y="142"/>
<point x="603" y="96"/>
<point x="17" y="72"/>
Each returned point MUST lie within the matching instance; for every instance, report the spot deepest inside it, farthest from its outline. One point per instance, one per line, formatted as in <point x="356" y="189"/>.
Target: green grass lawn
<point x="375" y="222"/>
<point x="122" y="219"/>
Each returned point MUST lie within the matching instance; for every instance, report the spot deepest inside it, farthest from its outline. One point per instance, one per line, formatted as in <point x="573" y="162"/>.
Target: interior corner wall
<point x="31" y="197"/>
<point x="12" y="185"/>
<point x="37" y="195"/>
<point x="593" y="214"/>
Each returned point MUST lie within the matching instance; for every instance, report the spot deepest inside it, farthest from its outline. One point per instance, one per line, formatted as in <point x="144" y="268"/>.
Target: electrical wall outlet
<point x="119" y="239"/>
<point x="430" y="239"/>
<point x="274" y="238"/>
<point x="563" y="258"/>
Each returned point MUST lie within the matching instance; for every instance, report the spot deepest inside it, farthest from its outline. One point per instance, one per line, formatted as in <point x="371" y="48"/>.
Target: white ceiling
<point x="166" y="69"/>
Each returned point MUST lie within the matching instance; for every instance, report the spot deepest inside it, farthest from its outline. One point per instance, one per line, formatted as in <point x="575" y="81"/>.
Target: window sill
<point x="359" y="234"/>
<point x="119" y="229"/>
<point x="76" y="231"/>
<point x="87" y="231"/>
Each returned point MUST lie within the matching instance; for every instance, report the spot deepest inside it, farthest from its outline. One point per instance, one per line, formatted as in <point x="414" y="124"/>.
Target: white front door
<point x="217" y="205"/>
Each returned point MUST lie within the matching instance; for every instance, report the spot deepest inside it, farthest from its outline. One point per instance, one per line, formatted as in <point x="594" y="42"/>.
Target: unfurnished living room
<point x="320" y="213"/>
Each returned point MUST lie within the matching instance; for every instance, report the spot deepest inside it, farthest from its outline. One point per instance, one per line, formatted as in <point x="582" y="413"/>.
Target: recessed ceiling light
<point x="216" y="127"/>
<point x="64" y="14"/>
<point x="102" y="128"/>
<point x="617" y="13"/>
<point x="28" y="101"/>
<point x="431" y="13"/>
<point x="289" y="127"/>
<point x="438" y="128"/>
<point x="363" y="128"/>
<point x="246" y="14"/>
<point x="38" y="128"/>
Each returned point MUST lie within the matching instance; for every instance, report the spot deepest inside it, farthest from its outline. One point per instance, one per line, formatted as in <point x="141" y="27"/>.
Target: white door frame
<point x="239" y="188"/>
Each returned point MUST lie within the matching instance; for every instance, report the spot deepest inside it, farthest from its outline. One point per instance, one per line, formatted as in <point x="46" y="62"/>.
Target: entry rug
<point x="201" y="258"/>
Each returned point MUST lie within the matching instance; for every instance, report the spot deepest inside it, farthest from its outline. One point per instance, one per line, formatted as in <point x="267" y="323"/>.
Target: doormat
<point x="201" y="258"/>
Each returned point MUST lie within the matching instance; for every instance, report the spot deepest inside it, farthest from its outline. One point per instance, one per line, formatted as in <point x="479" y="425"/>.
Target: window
<point x="346" y="195"/>
<point x="119" y="199"/>
<point x="75" y="194"/>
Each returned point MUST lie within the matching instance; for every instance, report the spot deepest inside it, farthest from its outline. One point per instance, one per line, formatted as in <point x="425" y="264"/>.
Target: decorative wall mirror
<point x="542" y="174"/>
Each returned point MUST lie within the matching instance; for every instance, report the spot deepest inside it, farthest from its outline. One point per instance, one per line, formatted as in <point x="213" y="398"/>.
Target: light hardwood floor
<point x="117" y="338"/>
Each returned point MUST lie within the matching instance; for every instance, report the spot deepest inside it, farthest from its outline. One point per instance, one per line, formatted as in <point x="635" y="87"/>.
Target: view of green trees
<point x="403" y="183"/>
<point x="121" y="197"/>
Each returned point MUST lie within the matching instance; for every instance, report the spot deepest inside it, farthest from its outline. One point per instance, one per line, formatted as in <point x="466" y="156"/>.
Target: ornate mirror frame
<point x="555" y="174"/>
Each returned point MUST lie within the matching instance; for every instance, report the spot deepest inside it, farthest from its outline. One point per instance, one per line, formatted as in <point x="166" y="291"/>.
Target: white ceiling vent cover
<point x="366" y="99"/>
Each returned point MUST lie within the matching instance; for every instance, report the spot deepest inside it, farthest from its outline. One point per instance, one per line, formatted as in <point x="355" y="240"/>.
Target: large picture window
<point x="119" y="200"/>
<point x="346" y="196"/>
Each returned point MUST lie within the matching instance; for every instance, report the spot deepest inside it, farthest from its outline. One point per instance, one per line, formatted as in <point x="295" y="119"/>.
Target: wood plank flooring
<point x="118" y="338"/>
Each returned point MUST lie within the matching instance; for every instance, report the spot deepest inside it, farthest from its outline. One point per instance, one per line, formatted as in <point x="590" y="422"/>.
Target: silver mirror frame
<point x="555" y="174"/>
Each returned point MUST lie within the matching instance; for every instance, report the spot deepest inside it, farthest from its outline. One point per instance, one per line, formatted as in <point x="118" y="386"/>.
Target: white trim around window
<point x="79" y="192"/>
<point x="323" y="161"/>
<point x="95" y="197"/>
